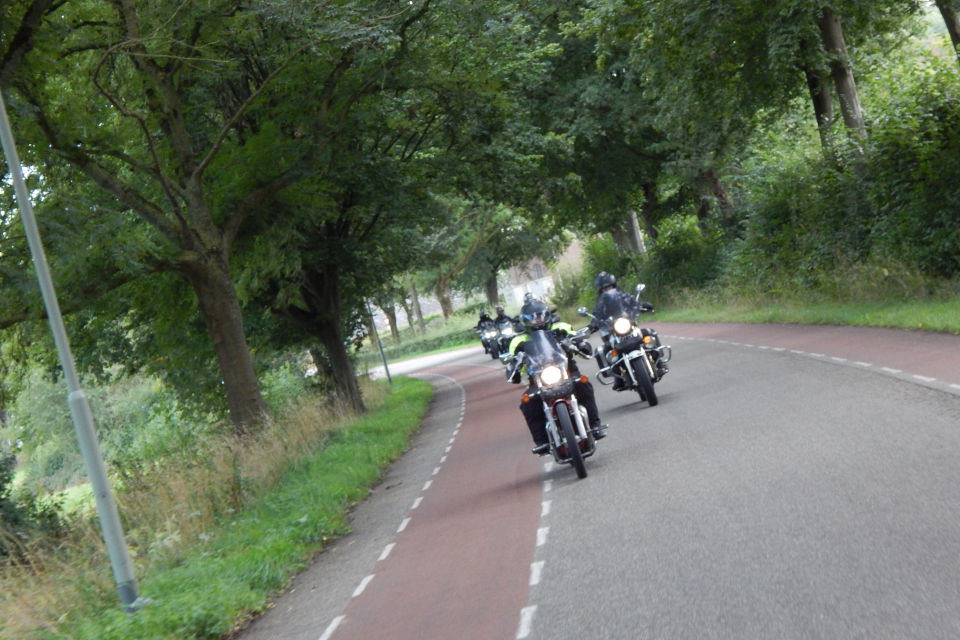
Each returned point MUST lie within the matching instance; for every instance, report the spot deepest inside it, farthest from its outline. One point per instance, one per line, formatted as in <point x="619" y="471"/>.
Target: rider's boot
<point x="599" y="431"/>
<point x="541" y="449"/>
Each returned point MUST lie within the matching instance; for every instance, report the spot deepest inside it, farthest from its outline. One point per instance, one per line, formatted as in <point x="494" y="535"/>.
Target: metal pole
<point x="77" y="400"/>
<point x="376" y="335"/>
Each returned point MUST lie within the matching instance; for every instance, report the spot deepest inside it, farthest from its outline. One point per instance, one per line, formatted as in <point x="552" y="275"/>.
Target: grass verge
<point x="247" y="558"/>
<point x="929" y="315"/>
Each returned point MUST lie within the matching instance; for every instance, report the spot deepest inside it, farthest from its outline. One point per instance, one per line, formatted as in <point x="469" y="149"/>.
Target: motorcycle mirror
<point x="640" y="288"/>
<point x="582" y="311"/>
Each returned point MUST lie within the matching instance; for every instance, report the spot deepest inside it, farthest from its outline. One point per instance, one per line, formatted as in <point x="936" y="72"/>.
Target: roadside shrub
<point x="682" y="254"/>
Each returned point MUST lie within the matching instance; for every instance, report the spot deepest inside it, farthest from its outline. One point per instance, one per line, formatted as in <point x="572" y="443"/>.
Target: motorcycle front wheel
<point x="570" y="438"/>
<point x="494" y="350"/>
<point x="644" y="381"/>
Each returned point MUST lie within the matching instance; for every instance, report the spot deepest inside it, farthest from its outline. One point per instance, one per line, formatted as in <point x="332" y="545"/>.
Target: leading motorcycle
<point x="545" y="357"/>
<point x="633" y="355"/>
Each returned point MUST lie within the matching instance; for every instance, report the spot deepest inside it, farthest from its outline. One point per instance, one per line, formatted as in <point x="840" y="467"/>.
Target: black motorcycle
<point x="633" y="355"/>
<point x="507" y="330"/>
<point x="545" y="358"/>
<point x="488" y="333"/>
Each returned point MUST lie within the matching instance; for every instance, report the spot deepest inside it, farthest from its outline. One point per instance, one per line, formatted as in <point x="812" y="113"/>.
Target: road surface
<point x="793" y="482"/>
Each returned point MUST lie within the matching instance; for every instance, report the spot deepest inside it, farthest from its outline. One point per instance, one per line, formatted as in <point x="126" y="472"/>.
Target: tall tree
<point x="194" y="123"/>
<point x="950" y="10"/>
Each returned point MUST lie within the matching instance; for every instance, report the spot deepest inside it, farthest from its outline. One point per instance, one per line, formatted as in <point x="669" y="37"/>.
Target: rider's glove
<point x="646" y="306"/>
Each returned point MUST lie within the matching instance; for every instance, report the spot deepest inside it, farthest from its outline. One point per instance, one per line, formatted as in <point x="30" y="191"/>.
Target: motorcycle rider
<point x="604" y="283"/>
<point x="502" y="316"/>
<point x="536" y="315"/>
<point x="485" y="322"/>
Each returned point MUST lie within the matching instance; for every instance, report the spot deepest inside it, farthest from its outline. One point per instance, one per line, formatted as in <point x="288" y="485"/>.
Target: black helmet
<point x="604" y="280"/>
<point x="535" y="315"/>
<point x="499" y="309"/>
<point x="484" y="316"/>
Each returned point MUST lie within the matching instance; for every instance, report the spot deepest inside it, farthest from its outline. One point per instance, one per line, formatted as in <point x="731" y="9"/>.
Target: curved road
<point x="794" y="482"/>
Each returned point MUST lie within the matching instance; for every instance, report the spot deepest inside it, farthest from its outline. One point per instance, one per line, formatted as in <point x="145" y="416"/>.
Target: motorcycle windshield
<point x="615" y="304"/>
<point x="542" y="349"/>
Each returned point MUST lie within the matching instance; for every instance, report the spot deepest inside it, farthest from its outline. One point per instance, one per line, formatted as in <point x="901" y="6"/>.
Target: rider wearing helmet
<point x="605" y="283"/>
<point x="536" y="316"/>
<point x="501" y="316"/>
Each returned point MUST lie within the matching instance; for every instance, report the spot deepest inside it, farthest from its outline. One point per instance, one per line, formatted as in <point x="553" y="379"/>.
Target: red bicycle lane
<point x="459" y="565"/>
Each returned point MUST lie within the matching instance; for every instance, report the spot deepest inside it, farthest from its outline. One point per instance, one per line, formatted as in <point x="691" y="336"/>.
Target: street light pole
<point x="77" y="400"/>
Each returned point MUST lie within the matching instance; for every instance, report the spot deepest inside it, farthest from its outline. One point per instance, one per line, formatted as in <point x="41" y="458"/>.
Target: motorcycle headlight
<point x="489" y="334"/>
<point x="551" y="375"/>
<point x="507" y="331"/>
<point x="622" y="326"/>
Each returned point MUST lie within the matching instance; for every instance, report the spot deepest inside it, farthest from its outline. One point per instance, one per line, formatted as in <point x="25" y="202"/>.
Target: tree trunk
<point x="220" y="308"/>
<point x="415" y="301"/>
<point x="950" y="10"/>
<point x="638" y="244"/>
<point x="391" y="312"/>
<point x="831" y="31"/>
<point x="442" y="291"/>
<point x="648" y="208"/>
<point x="492" y="290"/>
<point x="321" y="294"/>
<point x="328" y="332"/>
<point x="822" y="105"/>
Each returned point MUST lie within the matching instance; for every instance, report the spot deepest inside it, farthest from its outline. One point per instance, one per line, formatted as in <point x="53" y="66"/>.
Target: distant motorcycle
<point x="568" y="430"/>
<point x="507" y="330"/>
<point x="488" y="333"/>
<point x="633" y="354"/>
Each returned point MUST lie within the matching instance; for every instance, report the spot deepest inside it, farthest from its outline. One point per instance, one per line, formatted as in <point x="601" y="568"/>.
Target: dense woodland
<point x="224" y="185"/>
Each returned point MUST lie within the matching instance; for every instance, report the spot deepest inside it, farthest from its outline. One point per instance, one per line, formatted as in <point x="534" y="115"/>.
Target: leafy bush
<point x="682" y="254"/>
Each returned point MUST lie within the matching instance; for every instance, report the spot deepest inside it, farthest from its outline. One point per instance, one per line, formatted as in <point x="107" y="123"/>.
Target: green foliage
<point x="256" y="552"/>
<point x="23" y="519"/>
<point x="682" y="255"/>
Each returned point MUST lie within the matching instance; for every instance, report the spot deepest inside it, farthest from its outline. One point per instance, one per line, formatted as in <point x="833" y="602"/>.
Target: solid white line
<point x="403" y="525"/>
<point x="536" y="569"/>
<point x="363" y="585"/>
<point x="542" y="536"/>
<point x="526" y="621"/>
<point x="386" y="551"/>
<point x="427" y="485"/>
<point x="416" y="503"/>
<point x="545" y="508"/>
<point x="331" y="628"/>
<point x="924" y="378"/>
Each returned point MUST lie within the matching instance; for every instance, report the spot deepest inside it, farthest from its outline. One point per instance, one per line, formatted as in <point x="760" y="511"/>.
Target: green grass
<point x="255" y="554"/>
<point x="931" y="315"/>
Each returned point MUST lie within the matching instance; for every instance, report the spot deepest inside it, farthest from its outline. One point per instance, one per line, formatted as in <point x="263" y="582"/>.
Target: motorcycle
<point x="488" y="337"/>
<point x="568" y="430"/>
<point x="634" y="355"/>
<point x="507" y="330"/>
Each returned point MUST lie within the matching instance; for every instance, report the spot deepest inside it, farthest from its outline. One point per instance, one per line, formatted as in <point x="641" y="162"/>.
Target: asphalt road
<point x="794" y="482"/>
